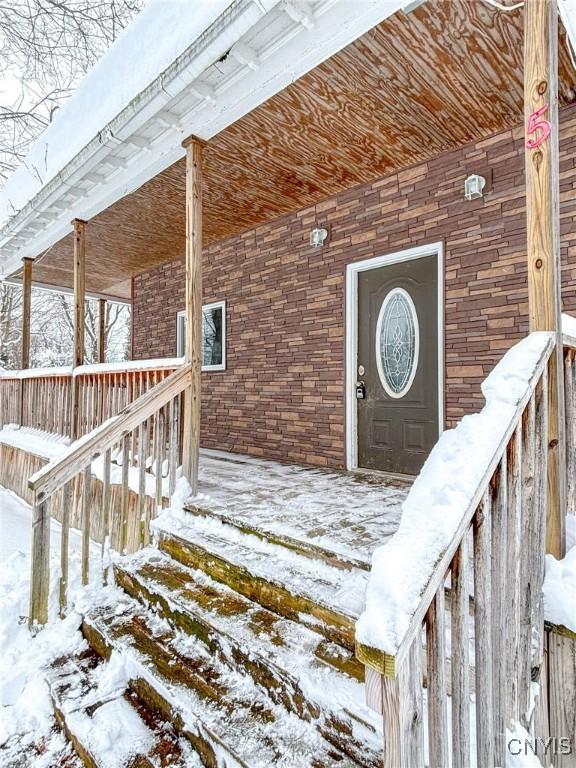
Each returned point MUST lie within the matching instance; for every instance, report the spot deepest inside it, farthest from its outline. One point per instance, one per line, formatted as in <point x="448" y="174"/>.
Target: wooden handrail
<point x="85" y="450"/>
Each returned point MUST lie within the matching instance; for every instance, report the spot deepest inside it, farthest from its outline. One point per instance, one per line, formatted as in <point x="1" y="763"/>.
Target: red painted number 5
<point x="537" y="123"/>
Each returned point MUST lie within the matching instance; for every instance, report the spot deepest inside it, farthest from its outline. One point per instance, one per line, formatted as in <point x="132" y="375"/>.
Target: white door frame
<point x="352" y="270"/>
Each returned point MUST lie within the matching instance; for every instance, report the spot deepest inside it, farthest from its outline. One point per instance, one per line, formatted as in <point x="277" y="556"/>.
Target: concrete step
<point x="111" y="728"/>
<point x="225" y="716"/>
<point x="297" y="667"/>
<point x="323" y="597"/>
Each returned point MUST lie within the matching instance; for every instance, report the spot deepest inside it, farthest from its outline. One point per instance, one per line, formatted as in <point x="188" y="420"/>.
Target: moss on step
<point x="282" y="688"/>
<point x="272" y="595"/>
<point x="174" y="673"/>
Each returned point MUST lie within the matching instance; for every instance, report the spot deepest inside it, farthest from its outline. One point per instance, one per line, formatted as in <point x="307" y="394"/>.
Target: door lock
<point x="360" y="390"/>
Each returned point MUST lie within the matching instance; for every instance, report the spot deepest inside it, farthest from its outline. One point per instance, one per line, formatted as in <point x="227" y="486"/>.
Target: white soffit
<point x="252" y="51"/>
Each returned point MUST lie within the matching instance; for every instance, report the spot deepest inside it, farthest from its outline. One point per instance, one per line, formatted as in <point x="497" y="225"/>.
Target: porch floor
<point x="338" y="514"/>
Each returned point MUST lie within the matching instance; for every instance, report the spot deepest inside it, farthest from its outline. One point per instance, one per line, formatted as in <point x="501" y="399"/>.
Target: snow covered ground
<point x="27" y="733"/>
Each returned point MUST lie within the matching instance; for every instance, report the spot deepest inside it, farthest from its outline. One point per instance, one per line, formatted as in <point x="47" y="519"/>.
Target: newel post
<point x="40" y="565"/>
<point x="543" y="228"/>
<point x="394" y="691"/>
<point x="193" y="331"/>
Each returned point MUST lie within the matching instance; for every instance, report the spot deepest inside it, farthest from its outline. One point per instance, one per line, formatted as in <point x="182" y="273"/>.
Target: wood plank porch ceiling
<point x="416" y="86"/>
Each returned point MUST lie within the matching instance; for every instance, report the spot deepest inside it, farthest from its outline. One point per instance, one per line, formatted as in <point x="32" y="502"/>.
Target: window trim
<point x="180" y="334"/>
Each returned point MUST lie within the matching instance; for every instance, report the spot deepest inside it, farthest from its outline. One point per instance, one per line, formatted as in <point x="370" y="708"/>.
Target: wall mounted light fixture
<point x="318" y="237"/>
<point x="474" y="186"/>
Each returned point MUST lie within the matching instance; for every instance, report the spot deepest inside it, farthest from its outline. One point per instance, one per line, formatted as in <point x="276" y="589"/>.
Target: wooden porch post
<point x="79" y="299"/>
<point x="193" y="333"/>
<point x="543" y="226"/>
<point x="25" y="360"/>
<point x="26" y="299"/>
<point x="102" y="330"/>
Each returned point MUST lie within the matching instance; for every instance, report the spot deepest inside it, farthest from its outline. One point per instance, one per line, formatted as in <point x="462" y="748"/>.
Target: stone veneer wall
<point x="283" y="393"/>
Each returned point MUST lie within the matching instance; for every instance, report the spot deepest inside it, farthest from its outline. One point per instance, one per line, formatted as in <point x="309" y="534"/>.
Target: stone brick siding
<point x="283" y="393"/>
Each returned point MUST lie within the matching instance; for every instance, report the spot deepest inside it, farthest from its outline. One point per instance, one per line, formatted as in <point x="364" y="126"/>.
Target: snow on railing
<point x="481" y="497"/>
<point x="126" y="366"/>
<point x="36" y="373"/>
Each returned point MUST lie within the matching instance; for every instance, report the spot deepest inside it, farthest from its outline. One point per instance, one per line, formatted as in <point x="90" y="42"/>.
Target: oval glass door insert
<point x="397" y="342"/>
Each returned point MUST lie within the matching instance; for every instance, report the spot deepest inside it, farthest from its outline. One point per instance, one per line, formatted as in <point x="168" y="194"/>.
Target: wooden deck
<point x="341" y="514"/>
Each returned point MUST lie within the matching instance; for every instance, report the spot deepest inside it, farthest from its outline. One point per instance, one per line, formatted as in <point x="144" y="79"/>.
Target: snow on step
<point x="285" y="658"/>
<point x="221" y="711"/>
<point x="345" y="515"/>
<point x="105" y="727"/>
<point x="334" y="597"/>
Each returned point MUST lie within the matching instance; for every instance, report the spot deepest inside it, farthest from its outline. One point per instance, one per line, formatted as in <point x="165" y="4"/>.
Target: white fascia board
<point x="337" y="24"/>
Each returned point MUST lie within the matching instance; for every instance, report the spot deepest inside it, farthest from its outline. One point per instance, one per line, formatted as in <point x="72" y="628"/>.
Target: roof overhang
<point x="253" y="50"/>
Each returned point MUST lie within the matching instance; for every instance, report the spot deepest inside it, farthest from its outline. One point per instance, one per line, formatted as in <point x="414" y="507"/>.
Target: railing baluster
<point x="436" y="673"/>
<point x="135" y="394"/>
<point x="483" y="635"/>
<point x="66" y="500"/>
<point x="460" y="658"/>
<point x="125" y="489"/>
<point x="159" y="455"/>
<point x="142" y="501"/>
<point x="499" y="618"/>
<point x="86" y="507"/>
<point x="106" y="497"/>
<point x="540" y="490"/>
<point x="173" y="452"/>
<point x="569" y="370"/>
<point x="93" y="402"/>
<point x="513" y="592"/>
<point x="527" y="534"/>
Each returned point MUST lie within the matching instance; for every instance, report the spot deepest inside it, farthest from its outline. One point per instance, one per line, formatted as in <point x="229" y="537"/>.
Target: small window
<point x="213" y="336"/>
<point x="397" y="342"/>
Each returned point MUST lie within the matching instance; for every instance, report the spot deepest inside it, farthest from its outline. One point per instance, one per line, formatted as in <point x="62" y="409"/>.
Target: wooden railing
<point x="478" y="594"/>
<point x="42" y="398"/>
<point x="38" y="398"/>
<point x="104" y="390"/>
<point x="111" y="481"/>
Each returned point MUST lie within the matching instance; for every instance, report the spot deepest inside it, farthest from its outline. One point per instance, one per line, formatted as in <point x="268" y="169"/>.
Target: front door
<point x="397" y="387"/>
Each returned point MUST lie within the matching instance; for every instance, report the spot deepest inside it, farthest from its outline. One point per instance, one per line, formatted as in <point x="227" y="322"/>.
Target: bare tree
<point x="46" y="46"/>
<point x="52" y="329"/>
<point x="10" y="325"/>
<point x="53" y="334"/>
